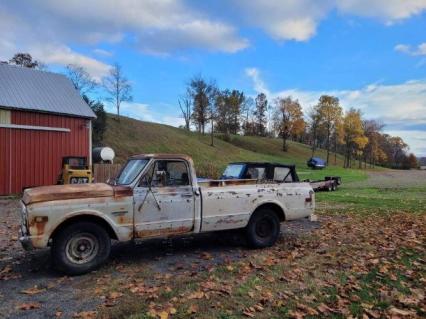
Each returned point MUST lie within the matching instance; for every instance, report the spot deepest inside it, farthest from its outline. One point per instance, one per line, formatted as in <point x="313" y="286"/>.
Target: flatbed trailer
<point x="330" y="183"/>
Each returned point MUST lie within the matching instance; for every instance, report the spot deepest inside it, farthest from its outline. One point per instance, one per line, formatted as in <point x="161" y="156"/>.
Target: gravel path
<point x="59" y="296"/>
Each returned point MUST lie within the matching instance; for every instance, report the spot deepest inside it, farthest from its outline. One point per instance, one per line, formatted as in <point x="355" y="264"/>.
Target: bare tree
<point x="81" y="79"/>
<point x="118" y="87"/>
<point x="185" y="107"/>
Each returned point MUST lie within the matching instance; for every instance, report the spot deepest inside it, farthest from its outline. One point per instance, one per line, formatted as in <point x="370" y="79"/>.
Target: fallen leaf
<point x="33" y="291"/>
<point x="29" y="306"/>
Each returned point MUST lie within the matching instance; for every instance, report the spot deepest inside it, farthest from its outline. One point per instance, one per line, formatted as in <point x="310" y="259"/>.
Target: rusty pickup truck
<point x="154" y="195"/>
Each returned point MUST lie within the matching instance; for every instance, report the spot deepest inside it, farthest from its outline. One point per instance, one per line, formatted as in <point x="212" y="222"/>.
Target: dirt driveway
<point x="30" y="288"/>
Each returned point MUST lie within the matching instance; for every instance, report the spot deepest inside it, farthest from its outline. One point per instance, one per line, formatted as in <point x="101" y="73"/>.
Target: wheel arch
<point x="85" y="218"/>
<point x="279" y="211"/>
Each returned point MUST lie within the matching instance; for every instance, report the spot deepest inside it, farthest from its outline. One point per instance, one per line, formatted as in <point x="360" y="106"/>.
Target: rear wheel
<point x="263" y="229"/>
<point x="80" y="247"/>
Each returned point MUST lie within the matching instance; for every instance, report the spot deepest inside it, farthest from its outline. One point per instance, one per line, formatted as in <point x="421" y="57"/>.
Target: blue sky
<point x="371" y="54"/>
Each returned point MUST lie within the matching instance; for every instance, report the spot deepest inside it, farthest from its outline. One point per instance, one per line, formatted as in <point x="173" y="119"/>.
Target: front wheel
<point x="263" y="229"/>
<point x="80" y="247"/>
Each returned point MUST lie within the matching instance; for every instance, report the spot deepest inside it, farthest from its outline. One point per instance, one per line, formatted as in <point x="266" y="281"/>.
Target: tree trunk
<point x="212" y="135"/>
<point x="284" y="144"/>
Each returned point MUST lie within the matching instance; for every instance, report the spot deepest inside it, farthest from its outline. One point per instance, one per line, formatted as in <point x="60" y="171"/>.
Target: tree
<point x="24" y="60"/>
<point x="354" y="137"/>
<point x="117" y="87"/>
<point x="373" y="151"/>
<point x="330" y="114"/>
<point x="411" y="161"/>
<point x="202" y="94"/>
<point x="98" y="124"/>
<point x="247" y="111"/>
<point x="228" y="107"/>
<point x="314" y="120"/>
<point x="185" y="108"/>
<point x="260" y="114"/>
<point x="288" y="119"/>
<point x="81" y="79"/>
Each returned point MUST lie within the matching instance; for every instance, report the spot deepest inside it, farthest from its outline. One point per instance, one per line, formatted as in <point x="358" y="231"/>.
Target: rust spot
<point x="70" y="191"/>
<point x="120" y="191"/>
<point x="38" y="224"/>
<point x="124" y="219"/>
<point x="162" y="232"/>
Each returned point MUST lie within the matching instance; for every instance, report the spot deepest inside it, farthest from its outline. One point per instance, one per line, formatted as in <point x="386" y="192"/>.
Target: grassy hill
<point x="130" y="136"/>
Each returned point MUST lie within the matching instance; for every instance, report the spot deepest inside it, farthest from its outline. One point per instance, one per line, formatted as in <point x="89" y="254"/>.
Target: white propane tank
<point x="103" y="154"/>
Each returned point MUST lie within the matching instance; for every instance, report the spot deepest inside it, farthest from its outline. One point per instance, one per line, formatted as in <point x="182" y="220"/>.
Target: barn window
<point x="4" y="117"/>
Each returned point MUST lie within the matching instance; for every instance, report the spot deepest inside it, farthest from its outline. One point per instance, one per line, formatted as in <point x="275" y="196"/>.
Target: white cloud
<point x="259" y="85"/>
<point x="154" y="26"/>
<point x="63" y="55"/>
<point x="163" y="27"/>
<point x="298" y="20"/>
<point x="385" y="10"/>
<point x="401" y="106"/>
<point x="102" y="52"/>
<point x="414" y="51"/>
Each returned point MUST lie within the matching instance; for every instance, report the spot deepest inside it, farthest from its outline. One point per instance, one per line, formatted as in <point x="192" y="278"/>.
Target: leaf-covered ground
<point x="364" y="258"/>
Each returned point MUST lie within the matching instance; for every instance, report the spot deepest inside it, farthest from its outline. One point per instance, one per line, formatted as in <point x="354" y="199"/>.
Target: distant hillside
<point x="130" y="136"/>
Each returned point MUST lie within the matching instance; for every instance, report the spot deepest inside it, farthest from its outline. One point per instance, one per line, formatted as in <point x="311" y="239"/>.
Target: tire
<point x="80" y="248"/>
<point x="263" y="229"/>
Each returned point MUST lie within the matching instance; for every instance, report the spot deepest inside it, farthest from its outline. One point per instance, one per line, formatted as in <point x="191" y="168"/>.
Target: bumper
<point x="24" y="239"/>
<point x="26" y="242"/>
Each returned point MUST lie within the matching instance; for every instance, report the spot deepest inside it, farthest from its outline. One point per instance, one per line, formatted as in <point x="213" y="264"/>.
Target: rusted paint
<point x="70" y="191"/>
<point x="162" y="232"/>
<point x="122" y="191"/>
<point x="38" y="223"/>
<point x="124" y="219"/>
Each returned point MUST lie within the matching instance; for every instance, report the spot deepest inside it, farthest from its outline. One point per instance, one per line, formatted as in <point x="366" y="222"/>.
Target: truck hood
<point x="73" y="191"/>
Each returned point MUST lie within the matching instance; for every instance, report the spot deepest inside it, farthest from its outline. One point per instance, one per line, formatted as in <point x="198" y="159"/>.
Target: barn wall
<point x="34" y="157"/>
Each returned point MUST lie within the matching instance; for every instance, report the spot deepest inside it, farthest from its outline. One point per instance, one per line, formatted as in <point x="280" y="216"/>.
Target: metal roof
<point x="29" y="89"/>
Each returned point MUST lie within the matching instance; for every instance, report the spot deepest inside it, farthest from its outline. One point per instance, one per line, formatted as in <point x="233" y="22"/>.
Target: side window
<point x="170" y="173"/>
<point x="255" y="173"/>
<point x="282" y="174"/>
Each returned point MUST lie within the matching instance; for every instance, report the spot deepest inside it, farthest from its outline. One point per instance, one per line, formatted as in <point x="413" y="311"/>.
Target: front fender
<point x="45" y="218"/>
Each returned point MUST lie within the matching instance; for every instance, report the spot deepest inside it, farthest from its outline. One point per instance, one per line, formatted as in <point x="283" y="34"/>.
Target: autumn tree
<point x="118" y="87"/>
<point x="373" y="151"/>
<point x="288" y="119"/>
<point x="261" y="107"/>
<point x="81" y="79"/>
<point x="202" y="94"/>
<point x="314" y="120"/>
<point x="354" y="138"/>
<point x="330" y="114"/>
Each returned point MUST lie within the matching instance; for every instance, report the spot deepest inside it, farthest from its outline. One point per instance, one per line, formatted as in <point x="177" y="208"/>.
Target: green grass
<point x="367" y="199"/>
<point x="129" y="136"/>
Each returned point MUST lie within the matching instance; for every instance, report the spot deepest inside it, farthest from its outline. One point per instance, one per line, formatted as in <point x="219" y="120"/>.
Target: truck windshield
<point x="130" y="171"/>
<point x="233" y="171"/>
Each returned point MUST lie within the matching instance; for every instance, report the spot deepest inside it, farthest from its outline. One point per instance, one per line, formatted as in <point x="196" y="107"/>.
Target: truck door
<point x="164" y="200"/>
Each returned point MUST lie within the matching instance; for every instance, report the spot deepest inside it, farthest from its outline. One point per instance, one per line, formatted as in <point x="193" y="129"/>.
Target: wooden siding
<point x="31" y="158"/>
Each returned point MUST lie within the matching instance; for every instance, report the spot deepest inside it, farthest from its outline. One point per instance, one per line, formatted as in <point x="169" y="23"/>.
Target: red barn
<point x="42" y="119"/>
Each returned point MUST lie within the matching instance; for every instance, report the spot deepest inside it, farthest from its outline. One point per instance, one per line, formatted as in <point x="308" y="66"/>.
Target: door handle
<point x="186" y="195"/>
